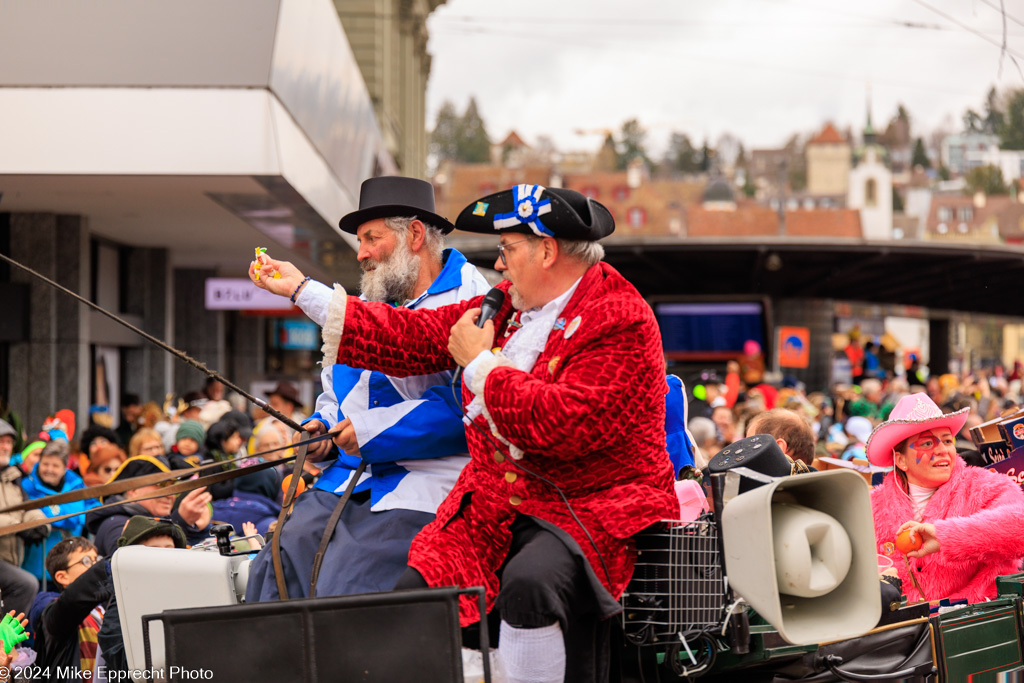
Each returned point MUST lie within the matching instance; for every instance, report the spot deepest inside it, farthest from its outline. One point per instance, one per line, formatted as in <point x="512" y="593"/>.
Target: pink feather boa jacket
<point x="979" y="520"/>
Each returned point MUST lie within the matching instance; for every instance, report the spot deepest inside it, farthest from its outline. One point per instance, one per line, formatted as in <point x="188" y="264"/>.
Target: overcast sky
<point x="759" y="69"/>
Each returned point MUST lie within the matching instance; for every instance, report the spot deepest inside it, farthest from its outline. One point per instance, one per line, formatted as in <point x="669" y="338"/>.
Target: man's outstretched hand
<point x="262" y="272"/>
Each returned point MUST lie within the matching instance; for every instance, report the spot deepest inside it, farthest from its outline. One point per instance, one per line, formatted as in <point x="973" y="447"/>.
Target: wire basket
<point x="677" y="587"/>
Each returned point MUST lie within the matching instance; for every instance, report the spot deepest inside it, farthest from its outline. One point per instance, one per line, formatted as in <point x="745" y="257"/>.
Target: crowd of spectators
<point x="724" y="408"/>
<point x="58" y="573"/>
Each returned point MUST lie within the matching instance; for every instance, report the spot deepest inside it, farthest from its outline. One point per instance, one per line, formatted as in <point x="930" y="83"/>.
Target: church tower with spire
<point x="870" y="189"/>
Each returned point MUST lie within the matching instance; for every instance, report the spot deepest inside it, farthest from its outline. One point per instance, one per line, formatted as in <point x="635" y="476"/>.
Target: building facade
<point x="389" y="41"/>
<point x="145" y="155"/>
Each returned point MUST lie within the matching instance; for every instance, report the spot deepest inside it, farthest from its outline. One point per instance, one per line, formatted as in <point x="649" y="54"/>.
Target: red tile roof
<point x="828" y="136"/>
<point x="512" y="140"/>
<point x="753" y="221"/>
<point x="747" y="222"/>
<point x="824" y="223"/>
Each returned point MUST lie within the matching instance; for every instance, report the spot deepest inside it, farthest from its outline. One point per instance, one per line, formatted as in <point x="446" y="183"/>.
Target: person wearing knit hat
<point x="155" y="533"/>
<point x="19" y="587"/>
<point x="7" y="438"/>
<point x="190" y="438"/>
<point x="138" y="530"/>
<point x="967" y="522"/>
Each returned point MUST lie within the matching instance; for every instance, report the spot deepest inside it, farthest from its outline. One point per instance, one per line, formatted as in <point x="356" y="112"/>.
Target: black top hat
<point x="538" y="210"/>
<point x="394" y="196"/>
<point x="760" y="453"/>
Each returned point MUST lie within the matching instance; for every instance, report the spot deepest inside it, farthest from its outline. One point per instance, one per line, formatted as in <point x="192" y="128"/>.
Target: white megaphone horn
<point x="801" y="552"/>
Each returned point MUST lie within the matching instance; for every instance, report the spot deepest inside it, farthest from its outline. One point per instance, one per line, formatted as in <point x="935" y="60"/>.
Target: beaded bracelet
<point x="296" y="292"/>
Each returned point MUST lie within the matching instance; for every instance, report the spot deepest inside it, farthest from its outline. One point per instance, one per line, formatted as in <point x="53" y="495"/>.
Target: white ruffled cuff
<point x="334" y="326"/>
<point x="484" y="365"/>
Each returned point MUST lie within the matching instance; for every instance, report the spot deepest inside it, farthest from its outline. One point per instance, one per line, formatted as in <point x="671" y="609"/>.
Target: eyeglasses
<point x="153" y="448"/>
<point x="503" y="247"/>
<point x="86" y="561"/>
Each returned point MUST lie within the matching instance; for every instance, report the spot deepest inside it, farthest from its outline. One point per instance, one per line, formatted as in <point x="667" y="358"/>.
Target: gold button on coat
<point x="510" y="477"/>
<point x="515" y="500"/>
<point x="499" y="456"/>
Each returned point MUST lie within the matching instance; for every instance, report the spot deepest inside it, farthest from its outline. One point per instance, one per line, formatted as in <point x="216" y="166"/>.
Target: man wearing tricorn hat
<point x="409" y="430"/>
<point x="564" y="392"/>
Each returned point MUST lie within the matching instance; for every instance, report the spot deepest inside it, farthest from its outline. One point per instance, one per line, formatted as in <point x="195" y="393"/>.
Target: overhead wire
<point x="1001" y="45"/>
<point x="1003" y="12"/>
<point x="733" y="63"/>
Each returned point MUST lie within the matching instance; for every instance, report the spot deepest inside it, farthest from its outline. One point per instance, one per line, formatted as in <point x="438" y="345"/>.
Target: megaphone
<point x="801" y="552"/>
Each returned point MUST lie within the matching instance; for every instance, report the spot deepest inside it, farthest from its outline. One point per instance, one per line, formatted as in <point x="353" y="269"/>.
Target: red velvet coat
<point x="590" y="417"/>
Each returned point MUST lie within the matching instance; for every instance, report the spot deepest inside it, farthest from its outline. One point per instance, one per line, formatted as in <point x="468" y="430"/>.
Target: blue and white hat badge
<point x="529" y="208"/>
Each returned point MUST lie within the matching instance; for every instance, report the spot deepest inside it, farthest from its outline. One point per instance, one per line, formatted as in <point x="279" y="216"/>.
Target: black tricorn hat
<point x="393" y="196"/>
<point x="538" y="210"/>
<point x="759" y="452"/>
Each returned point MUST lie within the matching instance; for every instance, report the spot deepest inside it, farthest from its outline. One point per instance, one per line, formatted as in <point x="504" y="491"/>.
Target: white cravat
<point x="527" y="343"/>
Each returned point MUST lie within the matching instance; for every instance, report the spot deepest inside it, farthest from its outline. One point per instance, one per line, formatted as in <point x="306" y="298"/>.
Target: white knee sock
<point x="532" y="655"/>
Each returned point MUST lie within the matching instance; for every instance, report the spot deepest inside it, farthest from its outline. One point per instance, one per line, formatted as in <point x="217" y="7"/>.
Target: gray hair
<point x="702" y="429"/>
<point x="433" y="239"/>
<point x="870" y="386"/>
<point x="585" y="252"/>
<point x="57" y="447"/>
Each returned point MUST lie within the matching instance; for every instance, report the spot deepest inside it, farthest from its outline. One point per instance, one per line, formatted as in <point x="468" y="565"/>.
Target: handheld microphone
<point x="488" y="309"/>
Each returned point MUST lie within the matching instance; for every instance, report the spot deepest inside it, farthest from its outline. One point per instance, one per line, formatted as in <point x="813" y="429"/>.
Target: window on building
<point x="962" y="228"/>
<point x="897" y="233"/>
<point x="488" y="188"/>
<point x="636" y="217"/>
<point x="621" y="193"/>
<point x="871" y="193"/>
<point x="942" y="228"/>
<point x="965" y="213"/>
<point x="945" y="214"/>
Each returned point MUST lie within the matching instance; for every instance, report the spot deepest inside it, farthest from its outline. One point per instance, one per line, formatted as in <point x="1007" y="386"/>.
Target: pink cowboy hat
<point x="913" y="414"/>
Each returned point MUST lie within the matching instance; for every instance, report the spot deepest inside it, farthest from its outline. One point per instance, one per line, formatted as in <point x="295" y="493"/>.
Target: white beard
<point x="517" y="298"/>
<point x="392" y="279"/>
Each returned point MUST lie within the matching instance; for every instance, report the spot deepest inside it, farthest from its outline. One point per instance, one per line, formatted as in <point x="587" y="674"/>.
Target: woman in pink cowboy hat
<point x="971" y="520"/>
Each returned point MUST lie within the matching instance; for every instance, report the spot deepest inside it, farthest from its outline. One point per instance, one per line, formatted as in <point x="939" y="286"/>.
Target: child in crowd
<point x="139" y="530"/>
<point x="69" y="621"/>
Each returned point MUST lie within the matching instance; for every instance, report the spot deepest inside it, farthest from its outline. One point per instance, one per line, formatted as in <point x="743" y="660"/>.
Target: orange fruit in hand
<point x="905" y="545"/>
<point x="286" y="482"/>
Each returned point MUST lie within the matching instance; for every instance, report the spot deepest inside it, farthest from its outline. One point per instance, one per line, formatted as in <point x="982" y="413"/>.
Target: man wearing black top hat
<point x="409" y="430"/>
<point x="564" y="392"/>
